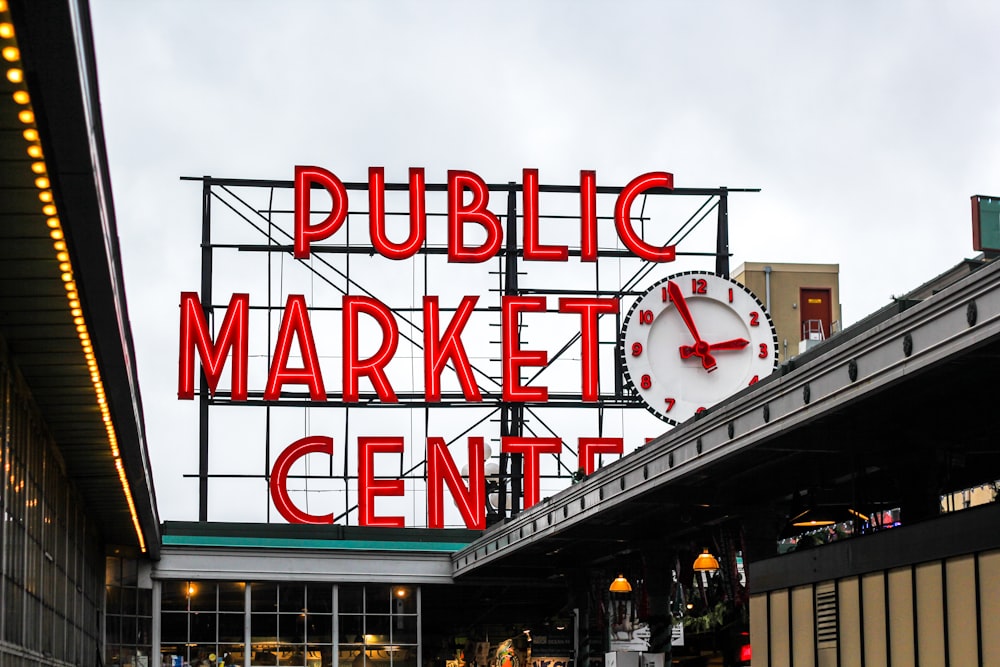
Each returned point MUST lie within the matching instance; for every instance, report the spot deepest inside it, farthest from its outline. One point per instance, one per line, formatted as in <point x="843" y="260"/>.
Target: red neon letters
<point x="442" y="472"/>
<point x="468" y="202"/>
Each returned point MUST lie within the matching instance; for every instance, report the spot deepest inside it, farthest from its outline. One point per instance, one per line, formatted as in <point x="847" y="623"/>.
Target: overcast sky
<point x="866" y="125"/>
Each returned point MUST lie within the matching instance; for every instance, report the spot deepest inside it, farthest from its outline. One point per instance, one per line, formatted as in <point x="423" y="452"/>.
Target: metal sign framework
<point x="258" y="207"/>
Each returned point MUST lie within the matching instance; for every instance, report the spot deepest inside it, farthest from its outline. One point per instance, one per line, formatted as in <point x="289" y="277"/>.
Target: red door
<point x="816" y="313"/>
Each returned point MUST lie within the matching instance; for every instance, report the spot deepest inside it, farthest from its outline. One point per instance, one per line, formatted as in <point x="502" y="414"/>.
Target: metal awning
<point x="56" y="57"/>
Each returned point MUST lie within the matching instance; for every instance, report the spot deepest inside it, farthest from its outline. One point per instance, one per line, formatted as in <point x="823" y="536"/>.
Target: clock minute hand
<point x="700" y="348"/>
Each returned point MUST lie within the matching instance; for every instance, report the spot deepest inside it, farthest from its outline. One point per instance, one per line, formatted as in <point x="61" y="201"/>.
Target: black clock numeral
<point x="755" y="319"/>
<point x="699" y="286"/>
<point x="645" y="317"/>
<point x="646" y="382"/>
<point x="670" y="403"/>
<point x="636" y="349"/>
<point x="763" y="351"/>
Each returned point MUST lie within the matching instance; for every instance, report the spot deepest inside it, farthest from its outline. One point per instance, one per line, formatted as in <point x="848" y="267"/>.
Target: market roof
<point x="892" y="412"/>
<point x="52" y="141"/>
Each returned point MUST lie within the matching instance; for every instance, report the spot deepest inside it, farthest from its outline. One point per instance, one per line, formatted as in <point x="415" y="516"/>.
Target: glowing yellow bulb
<point x="14" y="75"/>
<point x="53" y="223"/>
<point x="75" y="312"/>
<point x="42" y="183"/>
<point x="56" y="234"/>
<point x="3" y="5"/>
<point x="39" y="168"/>
<point x="45" y="196"/>
<point x="22" y="96"/>
<point x="26" y="116"/>
<point x="59" y="245"/>
<point x="31" y="134"/>
<point x="65" y="267"/>
<point x="35" y="151"/>
<point x="11" y="54"/>
<point x="63" y="257"/>
<point x="6" y="30"/>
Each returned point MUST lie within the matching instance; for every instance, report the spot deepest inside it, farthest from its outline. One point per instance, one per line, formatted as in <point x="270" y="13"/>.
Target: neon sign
<point x="474" y="235"/>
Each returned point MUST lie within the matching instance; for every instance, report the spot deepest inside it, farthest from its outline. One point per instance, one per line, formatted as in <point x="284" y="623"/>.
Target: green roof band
<point x="286" y="543"/>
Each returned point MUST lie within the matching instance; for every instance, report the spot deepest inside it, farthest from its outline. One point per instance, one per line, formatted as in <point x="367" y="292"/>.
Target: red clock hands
<point x="700" y="347"/>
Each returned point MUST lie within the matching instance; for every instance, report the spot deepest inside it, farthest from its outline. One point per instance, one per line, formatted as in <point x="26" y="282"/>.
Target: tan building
<point x="803" y="300"/>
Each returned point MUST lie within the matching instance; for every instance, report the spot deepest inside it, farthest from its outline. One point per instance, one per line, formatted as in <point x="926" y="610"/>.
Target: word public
<point x="467" y="202"/>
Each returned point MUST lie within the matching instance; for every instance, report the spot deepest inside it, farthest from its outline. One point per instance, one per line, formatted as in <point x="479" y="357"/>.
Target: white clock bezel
<point x="680" y="387"/>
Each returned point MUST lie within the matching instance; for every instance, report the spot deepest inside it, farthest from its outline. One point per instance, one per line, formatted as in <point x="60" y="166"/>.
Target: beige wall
<point x="786" y="280"/>
<point x="943" y="612"/>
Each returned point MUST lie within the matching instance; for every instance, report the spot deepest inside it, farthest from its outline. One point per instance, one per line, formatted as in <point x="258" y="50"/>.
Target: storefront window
<point x="203" y="624"/>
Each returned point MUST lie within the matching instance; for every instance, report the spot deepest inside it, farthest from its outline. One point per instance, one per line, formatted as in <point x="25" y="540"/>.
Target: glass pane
<point x="404" y="600"/>
<point x="377" y="599"/>
<point x="319" y="629"/>
<point x="404" y="630"/>
<point x="112" y="571"/>
<point x="174" y="596"/>
<point x="319" y="656"/>
<point x="231" y="654"/>
<point x="292" y="628"/>
<point x="145" y="602"/>
<point x="351" y="599"/>
<point x="263" y="597"/>
<point x="173" y="627"/>
<point x="294" y="656"/>
<point x="203" y="627"/>
<point x="200" y="655"/>
<point x="351" y="629"/>
<point x="320" y="599"/>
<point x="378" y="626"/>
<point x="202" y="594"/>
<point x="231" y="596"/>
<point x="291" y="597"/>
<point x="113" y="594"/>
<point x="231" y="628"/>
<point x="263" y="654"/>
<point x="264" y="628"/>
<point x="130" y="572"/>
<point x="128" y="601"/>
<point x="129" y="631"/>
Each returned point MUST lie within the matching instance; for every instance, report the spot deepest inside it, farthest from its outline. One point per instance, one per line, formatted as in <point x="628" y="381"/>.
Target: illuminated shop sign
<point x="474" y="235"/>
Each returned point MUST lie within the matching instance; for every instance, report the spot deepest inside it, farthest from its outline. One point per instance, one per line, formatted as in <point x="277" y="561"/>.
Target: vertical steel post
<point x="206" y="304"/>
<point x="511" y="415"/>
<point x="722" y="235"/>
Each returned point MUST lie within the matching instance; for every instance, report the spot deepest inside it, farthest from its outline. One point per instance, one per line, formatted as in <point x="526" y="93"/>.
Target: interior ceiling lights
<point x="15" y="74"/>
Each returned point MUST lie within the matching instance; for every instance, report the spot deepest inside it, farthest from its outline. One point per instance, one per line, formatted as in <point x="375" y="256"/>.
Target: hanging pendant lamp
<point x="706" y="562"/>
<point x="620" y="585"/>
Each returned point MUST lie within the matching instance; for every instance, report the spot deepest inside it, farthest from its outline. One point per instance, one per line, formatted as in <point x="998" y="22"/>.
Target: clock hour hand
<point x="734" y="344"/>
<point x="700" y="347"/>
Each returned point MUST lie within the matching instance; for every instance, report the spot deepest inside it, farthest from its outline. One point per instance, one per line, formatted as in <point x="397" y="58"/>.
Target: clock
<point x="693" y="339"/>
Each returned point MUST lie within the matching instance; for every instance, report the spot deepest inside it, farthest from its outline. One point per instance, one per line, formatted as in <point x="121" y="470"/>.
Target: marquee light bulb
<point x="15" y="75"/>
<point x="22" y="96"/>
<point x="34" y="151"/>
<point x="26" y="116"/>
<point x="11" y="54"/>
<point x="39" y="168"/>
<point x="6" y="30"/>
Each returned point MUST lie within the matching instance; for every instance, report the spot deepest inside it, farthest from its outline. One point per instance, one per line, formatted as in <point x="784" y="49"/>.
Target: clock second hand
<point x="700" y="347"/>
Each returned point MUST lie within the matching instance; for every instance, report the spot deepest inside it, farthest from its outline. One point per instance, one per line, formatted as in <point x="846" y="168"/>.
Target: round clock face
<point x="692" y="340"/>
